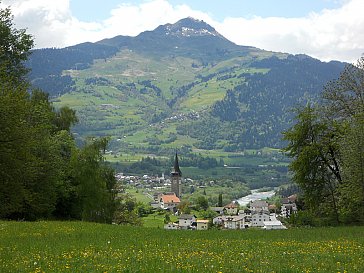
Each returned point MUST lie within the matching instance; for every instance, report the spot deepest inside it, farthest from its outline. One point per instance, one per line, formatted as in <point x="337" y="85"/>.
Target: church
<point x="171" y="199"/>
<point x="176" y="178"/>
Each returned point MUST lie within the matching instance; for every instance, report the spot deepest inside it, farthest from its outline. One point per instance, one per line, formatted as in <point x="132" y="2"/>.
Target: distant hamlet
<point x="88" y="132"/>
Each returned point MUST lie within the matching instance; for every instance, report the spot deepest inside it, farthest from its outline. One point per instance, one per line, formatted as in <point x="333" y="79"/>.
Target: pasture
<point x="90" y="247"/>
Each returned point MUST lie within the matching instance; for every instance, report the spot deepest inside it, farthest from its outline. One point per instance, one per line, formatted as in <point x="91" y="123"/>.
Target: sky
<point x="324" y="29"/>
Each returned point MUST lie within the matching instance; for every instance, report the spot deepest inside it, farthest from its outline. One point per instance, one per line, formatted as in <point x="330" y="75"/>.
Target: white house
<point x="258" y="218"/>
<point x="218" y="220"/>
<point x="230" y="222"/>
<point x="234" y="222"/>
<point x="186" y="220"/>
<point x="288" y="206"/>
<point x="288" y="209"/>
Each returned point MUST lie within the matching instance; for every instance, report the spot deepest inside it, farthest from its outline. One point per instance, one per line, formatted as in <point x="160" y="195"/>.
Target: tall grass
<point x="89" y="247"/>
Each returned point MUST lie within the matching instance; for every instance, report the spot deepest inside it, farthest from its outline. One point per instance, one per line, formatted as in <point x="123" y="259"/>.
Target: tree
<point x="219" y="204"/>
<point x="184" y="207"/>
<point x="344" y="102"/>
<point x="351" y="191"/>
<point x="43" y="173"/>
<point x="15" y="131"/>
<point x="326" y="145"/>
<point x="95" y="182"/>
<point x="15" y="47"/>
<point x="126" y="212"/>
<point x="65" y="118"/>
<point x="167" y="218"/>
<point x="312" y="145"/>
<point x="202" y="202"/>
<point x="344" y="97"/>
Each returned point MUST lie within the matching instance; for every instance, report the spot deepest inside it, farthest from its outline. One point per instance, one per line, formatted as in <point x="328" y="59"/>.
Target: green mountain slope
<point x="182" y="84"/>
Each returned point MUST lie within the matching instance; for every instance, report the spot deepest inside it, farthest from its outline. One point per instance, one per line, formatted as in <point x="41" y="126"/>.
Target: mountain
<point x="181" y="84"/>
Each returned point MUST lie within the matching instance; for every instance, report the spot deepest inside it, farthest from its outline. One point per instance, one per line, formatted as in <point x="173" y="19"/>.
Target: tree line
<point x="43" y="174"/>
<point x="327" y="147"/>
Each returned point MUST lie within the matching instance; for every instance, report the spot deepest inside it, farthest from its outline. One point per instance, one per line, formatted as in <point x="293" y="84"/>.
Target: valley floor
<point x="90" y="247"/>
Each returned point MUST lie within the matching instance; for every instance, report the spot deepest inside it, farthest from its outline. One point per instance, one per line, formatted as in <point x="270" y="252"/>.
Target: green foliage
<point x="351" y="204"/>
<point x="184" y="207"/>
<point x="207" y="214"/>
<point x="15" y="46"/>
<point x="220" y="204"/>
<point x="126" y="212"/>
<point x="327" y="150"/>
<point x="202" y="202"/>
<point x="43" y="174"/>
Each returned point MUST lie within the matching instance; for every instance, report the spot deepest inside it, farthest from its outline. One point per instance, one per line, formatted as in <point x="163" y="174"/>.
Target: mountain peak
<point x="189" y="27"/>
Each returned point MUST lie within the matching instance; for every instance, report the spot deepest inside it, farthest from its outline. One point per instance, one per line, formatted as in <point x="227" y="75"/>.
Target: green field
<point x="89" y="247"/>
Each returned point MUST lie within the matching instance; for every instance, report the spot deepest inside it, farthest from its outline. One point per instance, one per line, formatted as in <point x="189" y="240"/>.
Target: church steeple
<point x="176" y="185"/>
<point x="177" y="170"/>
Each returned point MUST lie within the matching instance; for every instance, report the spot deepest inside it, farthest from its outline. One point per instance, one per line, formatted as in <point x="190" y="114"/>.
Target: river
<point x="255" y="195"/>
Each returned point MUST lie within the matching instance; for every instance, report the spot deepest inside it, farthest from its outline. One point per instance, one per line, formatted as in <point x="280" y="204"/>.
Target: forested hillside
<point x="181" y="84"/>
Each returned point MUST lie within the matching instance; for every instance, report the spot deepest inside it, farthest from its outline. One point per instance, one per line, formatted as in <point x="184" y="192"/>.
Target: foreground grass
<point x="88" y="247"/>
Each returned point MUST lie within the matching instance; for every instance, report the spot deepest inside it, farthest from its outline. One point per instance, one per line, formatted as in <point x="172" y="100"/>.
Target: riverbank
<point x="255" y="195"/>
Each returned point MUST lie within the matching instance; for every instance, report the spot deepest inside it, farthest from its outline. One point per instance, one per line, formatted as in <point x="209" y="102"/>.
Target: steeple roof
<point x="176" y="168"/>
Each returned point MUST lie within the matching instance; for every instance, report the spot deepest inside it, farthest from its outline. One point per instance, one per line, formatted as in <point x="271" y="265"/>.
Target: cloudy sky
<point x="325" y="29"/>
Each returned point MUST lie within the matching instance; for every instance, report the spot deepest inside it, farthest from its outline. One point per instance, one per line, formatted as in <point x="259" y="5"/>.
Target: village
<point x="167" y="196"/>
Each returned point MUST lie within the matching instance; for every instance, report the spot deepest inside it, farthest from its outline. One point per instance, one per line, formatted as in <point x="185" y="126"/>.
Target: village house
<point x="202" y="224"/>
<point x="231" y="209"/>
<point x="259" y="205"/>
<point x="234" y="222"/>
<point x="186" y="221"/>
<point x="169" y="201"/>
<point x="288" y="206"/>
<point x="259" y="213"/>
<point x="258" y="218"/>
<point x="230" y="221"/>
<point x="288" y="209"/>
<point x="219" y="210"/>
<point x="218" y="220"/>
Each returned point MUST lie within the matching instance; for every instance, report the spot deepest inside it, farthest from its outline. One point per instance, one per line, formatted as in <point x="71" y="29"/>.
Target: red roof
<point x="170" y="199"/>
<point x="231" y="206"/>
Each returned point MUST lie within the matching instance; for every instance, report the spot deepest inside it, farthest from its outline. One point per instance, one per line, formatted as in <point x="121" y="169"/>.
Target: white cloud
<point x="133" y="19"/>
<point x="331" y="34"/>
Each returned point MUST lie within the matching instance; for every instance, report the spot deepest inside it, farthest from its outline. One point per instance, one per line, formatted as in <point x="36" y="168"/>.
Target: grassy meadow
<point x="90" y="247"/>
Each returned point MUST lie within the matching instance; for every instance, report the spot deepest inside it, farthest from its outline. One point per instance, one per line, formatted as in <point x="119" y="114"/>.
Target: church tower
<point x="176" y="174"/>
